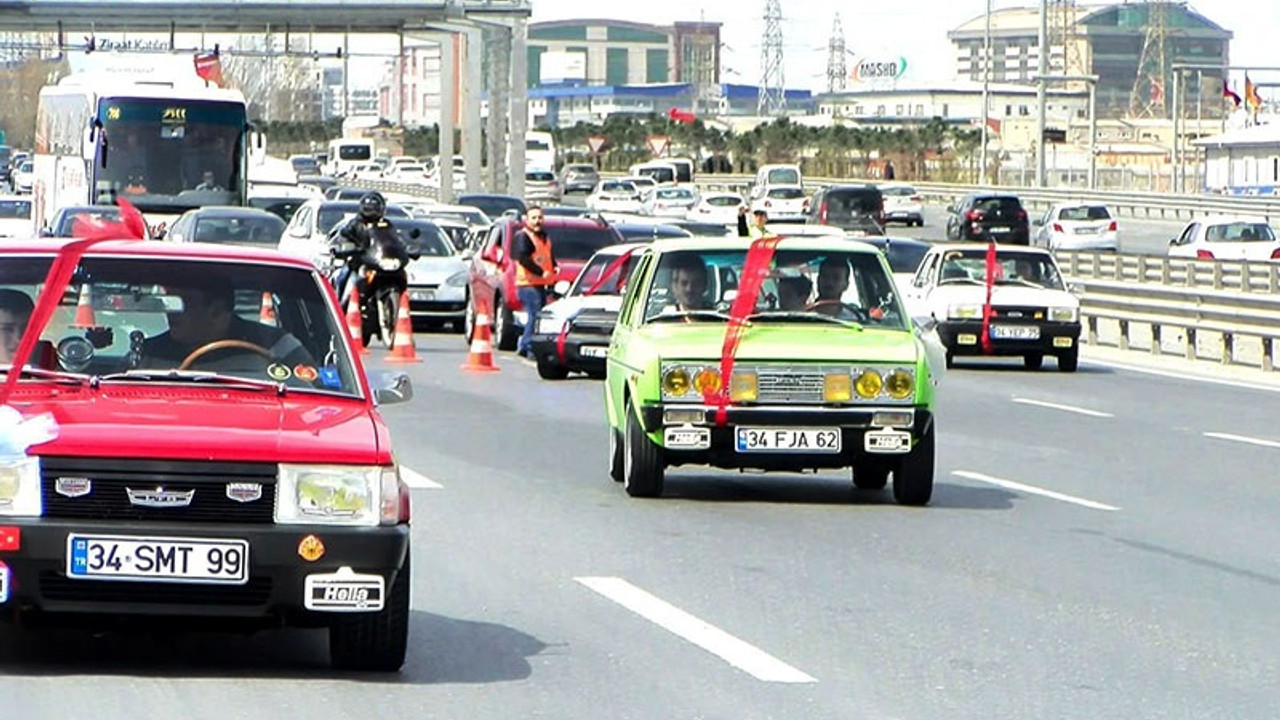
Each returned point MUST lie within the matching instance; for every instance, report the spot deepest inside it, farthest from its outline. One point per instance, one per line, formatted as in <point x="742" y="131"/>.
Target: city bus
<point x="166" y="144"/>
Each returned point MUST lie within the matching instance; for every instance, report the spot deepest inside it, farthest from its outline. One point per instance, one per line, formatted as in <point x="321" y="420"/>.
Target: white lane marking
<point x="1065" y="408"/>
<point x="1033" y="490"/>
<point x="417" y="480"/>
<point x="1186" y="376"/>
<point x="1243" y="439"/>
<point x="738" y="653"/>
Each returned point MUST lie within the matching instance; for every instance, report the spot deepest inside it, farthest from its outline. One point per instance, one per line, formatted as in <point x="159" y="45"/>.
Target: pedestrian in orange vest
<point x="536" y="270"/>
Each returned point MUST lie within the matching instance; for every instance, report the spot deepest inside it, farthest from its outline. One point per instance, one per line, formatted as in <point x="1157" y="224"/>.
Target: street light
<point x="1093" y="123"/>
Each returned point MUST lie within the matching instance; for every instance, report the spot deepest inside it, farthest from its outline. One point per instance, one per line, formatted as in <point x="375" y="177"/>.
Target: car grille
<point x="790" y="385"/>
<point x="57" y="587"/>
<point x="1019" y="312"/>
<point x="111" y="478"/>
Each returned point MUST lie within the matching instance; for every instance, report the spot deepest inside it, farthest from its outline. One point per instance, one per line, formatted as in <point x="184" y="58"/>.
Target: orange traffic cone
<point x="355" y="324"/>
<point x="84" y="310"/>
<point x="267" y="315"/>
<point x="480" y="359"/>
<point x="402" y="349"/>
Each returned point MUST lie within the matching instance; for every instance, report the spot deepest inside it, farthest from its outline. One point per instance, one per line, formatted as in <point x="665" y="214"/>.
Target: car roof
<point x="983" y="247"/>
<point x="881" y="240"/>
<point x="1227" y="219"/>
<point x="810" y="242"/>
<point x="161" y="250"/>
<point x="552" y="221"/>
<point x="226" y="211"/>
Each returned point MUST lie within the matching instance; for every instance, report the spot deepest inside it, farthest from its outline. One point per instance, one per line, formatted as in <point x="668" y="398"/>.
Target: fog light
<point x="894" y="418"/>
<point x="966" y="339"/>
<point x="743" y="387"/>
<point x="707" y="382"/>
<point x="869" y="384"/>
<point x="900" y="384"/>
<point x="682" y="416"/>
<point x="837" y="387"/>
<point x="1063" y="342"/>
<point x="676" y="381"/>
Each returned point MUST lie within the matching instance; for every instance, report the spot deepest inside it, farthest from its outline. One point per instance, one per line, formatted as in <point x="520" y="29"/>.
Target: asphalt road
<point x="1090" y="553"/>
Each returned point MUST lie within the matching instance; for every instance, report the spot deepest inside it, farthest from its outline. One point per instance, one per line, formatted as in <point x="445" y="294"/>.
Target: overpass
<point x="493" y="34"/>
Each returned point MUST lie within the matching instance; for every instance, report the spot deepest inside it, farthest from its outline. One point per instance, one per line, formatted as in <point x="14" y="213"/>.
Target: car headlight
<point x="900" y="384"/>
<point x="676" y="382"/>
<point x="458" y="279"/>
<point x="707" y="382"/>
<point x="550" y="325"/>
<point x="869" y="384"/>
<point x="338" y="495"/>
<point x="20" y="488"/>
<point x="964" y="312"/>
<point x="1064" y="314"/>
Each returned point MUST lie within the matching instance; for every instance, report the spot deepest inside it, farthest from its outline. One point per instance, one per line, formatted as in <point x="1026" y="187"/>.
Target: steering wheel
<point x="222" y="345"/>
<point x="858" y="313"/>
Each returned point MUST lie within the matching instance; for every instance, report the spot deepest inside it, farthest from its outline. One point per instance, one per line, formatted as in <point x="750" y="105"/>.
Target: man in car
<point x="15" y="312"/>
<point x="793" y="292"/>
<point x="688" y="284"/>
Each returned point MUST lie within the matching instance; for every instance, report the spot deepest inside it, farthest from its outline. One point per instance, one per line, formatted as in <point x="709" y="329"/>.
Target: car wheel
<point x="871" y="473"/>
<point x="616" y="468"/>
<point x="375" y="642"/>
<point x="913" y="481"/>
<point x="1033" y="361"/>
<point x="549" y="370"/>
<point x="469" y="321"/>
<point x="504" y="325"/>
<point x="642" y="464"/>
<point x="1069" y="360"/>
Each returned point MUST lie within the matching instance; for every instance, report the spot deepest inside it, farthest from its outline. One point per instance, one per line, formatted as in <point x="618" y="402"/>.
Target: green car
<point x="825" y="369"/>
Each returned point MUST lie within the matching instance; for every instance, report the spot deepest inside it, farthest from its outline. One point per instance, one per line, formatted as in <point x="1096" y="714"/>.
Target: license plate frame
<point x="887" y="442"/>
<point x="1015" y="332"/>
<point x="130" y="543"/>
<point x="823" y="440"/>
<point x="686" y="437"/>
<point x="1000" y="229"/>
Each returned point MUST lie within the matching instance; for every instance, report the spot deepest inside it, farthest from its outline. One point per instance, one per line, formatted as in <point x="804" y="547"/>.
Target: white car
<point x="438" y="278"/>
<point x="718" y="207"/>
<point x="15" y="217"/>
<point x="783" y="203"/>
<point x="1226" y="237"/>
<point x="408" y="173"/>
<point x="1077" y="226"/>
<point x="902" y="203"/>
<point x="1032" y="312"/>
<point x="23" y="177"/>
<point x="307" y="234"/>
<point x="674" y="201"/>
<point x="619" y="196"/>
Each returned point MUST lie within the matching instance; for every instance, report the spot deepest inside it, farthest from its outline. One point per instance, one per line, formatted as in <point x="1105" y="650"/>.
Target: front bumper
<point x="274" y="590"/>
<point x="853" y="424"/>
<point x="964" y="337"/>
<point x="581" y="353"/>
<point x="437" y="302"/>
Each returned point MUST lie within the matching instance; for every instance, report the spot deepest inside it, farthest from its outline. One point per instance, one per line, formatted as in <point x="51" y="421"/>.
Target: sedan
<point x="1074" y="226"/>
<point x="783" y="203"/>
<point x="23" y="177"/>
<point x="579" y="178"/>
<point x="437" y="278"/>
<point x="720" y="208"/>
<point x="902" y="203"/>
<point x="1226" y="237"/>
<point x="542" y="185"/>
<point x="621" y="196"/>
<point x="15" y="217"/>
<point x="228" y="226"/>
<point x="671" y="201"/>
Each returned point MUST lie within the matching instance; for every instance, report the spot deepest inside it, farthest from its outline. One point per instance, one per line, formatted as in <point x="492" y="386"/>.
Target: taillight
<point x="1021" y="215"/>
<point x="974" y="215"/>
<point x="1275" y="254"/>
<point x="916" y="198"/>
<point x="1204" y="255"/>
<point x="768" y="204"/>
<point x="806" y="205"/>
<point x="1113" y="226"/>
<point x="822" y="213"/>
<point x="1058" y="228"/>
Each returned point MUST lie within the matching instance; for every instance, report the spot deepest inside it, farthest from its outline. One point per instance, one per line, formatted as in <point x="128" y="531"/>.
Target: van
<point x="849" y="207"/>
<point x="345" y="154"/>
<point x="770" y="175"/>
<point x="663" y="173"/>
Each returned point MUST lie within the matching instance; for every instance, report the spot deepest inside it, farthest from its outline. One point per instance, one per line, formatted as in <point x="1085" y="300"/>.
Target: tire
<point x="388" y="308"/>
<point x="548" y="370"/>
<point x="1033" y="361"/>
<point x="504" y="325"/>
<point x="913" y="480"/>
<point x="375" y="642"/>
<point x="469" y="321"/>
<point x="1069" y="360"/>
<point x="615" y="455"/>
<point x="871" y="473"/>
<point x="643" y="471"/>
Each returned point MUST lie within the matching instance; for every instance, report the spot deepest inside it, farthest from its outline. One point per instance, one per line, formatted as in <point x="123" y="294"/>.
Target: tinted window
<point x="847" y="203"/>
<point x="494" y="205"/>
<point x="785" y="193"/>
<point x="659" y="174"/>
<point x="10" y="209"/>
<point x="1004" y="204"/>
<point x="580" y="243"/>
<point x="1239" y="232"/>
<point x="905" y="257"/>
<point x="283" y="208"/>
<point x="354" y="152"/>
<point x="724" y="201"/>
<point x="783" y="176"/>
<point x="264" y="231"/>
<point x="651" y="232"/>
<point x="431" y="240"/>
<point x="539" y="176"/>
<point x="618" y="187"/>
<point x="674" y="194"/>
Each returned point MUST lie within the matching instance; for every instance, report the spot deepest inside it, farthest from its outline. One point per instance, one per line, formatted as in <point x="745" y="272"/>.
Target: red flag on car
<point x="130" y="226"/>
<point x="993" y="269"/>
<point x="755" y="268"/>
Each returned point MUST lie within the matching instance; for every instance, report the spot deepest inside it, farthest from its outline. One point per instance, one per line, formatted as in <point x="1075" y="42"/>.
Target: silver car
<point x="437" y="279"/>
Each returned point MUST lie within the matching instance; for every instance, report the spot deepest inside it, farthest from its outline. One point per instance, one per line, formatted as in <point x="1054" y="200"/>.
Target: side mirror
<point x="561" y="287"/>
<point x="1173" y="241"/>
<point x="390" y="387"/>
<point x="467" y="253"/>
<point x="1076" y="288"/>
<point x="1037" y="222"/>
<point x="924" y="324"/>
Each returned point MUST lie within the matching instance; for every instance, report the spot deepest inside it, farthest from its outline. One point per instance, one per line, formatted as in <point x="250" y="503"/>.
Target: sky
<point x="916" y="29"/>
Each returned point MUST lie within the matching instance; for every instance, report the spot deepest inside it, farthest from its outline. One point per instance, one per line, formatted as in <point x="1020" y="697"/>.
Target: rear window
<point x="580" y="243"/>
<point x="724" y="201"/>
<point x="898" y="191"/>
<point x="258" y="231"/>
<point x="354" y="152"/>
<point x="11" y="209"/>
<point x="905" y="257"/>
<point x="786" y="193"/>
<point x="853" y="201"/>
<point x="68" y="223"/>
<point x="618" y="187"/>
<point x="674" y="194"/>
<point x="659" y="174"/>
<point x="1239" y="232"/>
<point x="783" y="176"/>
<point x="493" y="206"/>
<point x="1084" y="213"/>
<point x="1001" y="203"/>
<point x="539" y="176"/>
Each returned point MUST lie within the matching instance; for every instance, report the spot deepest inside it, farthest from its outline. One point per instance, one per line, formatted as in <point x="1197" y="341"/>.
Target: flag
<point x="1251" y="95"/>
<point x="209" y="67"/>
<point x="1157" y="91"/>
<point x="1229" y="94"/>
<point x="680" y="116"/>
<point x="130" y="226"/>
<point x="993" y="269"/>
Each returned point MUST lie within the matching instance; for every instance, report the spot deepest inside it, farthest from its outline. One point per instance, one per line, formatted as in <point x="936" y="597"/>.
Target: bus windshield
<point x="170" y="155"/>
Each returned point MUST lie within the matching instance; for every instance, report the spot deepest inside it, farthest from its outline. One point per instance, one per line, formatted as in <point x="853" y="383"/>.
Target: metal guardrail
<point x="1244" y="277"/>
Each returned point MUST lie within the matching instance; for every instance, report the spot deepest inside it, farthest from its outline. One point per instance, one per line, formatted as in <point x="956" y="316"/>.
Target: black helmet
<point x="372" y="206"/>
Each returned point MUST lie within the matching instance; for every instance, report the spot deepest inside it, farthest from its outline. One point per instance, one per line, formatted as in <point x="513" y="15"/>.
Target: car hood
<point x="774" y="342"/>
<point x="434" y="270"/>
<point x="184" y="423"/>
<point x="16" y="227"/>
<point x="570" y="306"/>
<point x="1002" y="295"/>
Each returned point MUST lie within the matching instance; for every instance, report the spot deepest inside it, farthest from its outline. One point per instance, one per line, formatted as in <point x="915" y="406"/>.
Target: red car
<point x="216" y="450"/>
<point x="493" y="272"/>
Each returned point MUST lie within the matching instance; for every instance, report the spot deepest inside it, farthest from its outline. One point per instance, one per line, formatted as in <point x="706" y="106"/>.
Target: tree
<point x="21" y="85"/>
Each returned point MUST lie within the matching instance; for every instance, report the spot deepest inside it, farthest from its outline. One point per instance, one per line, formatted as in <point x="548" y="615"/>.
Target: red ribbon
<point x="609" y="271"/>
<point x="992" y="269"/>
<point x="755" y="268"/>
<point x="564" y="333"/>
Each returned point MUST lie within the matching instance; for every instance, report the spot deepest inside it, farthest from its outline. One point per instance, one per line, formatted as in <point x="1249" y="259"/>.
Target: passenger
<point x="15" y="313"/>
<point x="689" y="283"/>
<point x="793" y="293"/>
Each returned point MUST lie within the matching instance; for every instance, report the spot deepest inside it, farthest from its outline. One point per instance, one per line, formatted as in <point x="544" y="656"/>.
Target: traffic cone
<point x="355" y="325"/>
<point x="480" y="359"/>
<point x="402" y="349"/>
<point x="84" y="310"/>
<point x="267" y="315"/>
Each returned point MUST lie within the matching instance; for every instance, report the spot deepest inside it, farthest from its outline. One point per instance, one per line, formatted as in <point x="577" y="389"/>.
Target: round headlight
<point x="707" y="382"/>
<point x="899" y="385"/>
<point x="676" y="381"/>
<point x="869" y="384"/>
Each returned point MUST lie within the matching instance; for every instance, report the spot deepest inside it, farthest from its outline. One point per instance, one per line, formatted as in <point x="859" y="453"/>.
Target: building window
<point x="859" y="110"/>
<point x="879" y="111"/>
<point x="920" y="110"/>
<point x="656" y="65"/>
<point x="1008" y="111"/>
<point x="897" y="111"/>
<point x="1023" y="110"/>
<point x="615" y="68"/>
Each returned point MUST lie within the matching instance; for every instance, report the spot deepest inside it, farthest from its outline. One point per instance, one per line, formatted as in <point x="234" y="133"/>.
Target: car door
<point x="917" y="295"/>
<point x="619" y="365"/>
<point x="1183" y="244"/>
<point x="486" y="273"/>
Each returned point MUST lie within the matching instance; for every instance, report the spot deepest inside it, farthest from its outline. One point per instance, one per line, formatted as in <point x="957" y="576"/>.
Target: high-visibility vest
<point x="541" y="258"/>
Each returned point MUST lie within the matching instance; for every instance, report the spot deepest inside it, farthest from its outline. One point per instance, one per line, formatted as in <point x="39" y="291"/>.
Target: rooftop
<point x="1268" y="134"/>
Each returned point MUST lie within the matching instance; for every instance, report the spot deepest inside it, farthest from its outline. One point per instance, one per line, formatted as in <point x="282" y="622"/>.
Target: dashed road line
<point x="1033" y="490"/>
<point x="417" y="480"/>
<point x="1243" y="439"/>
<point x="738" y="653"/>
<point x="1064" y="408"/>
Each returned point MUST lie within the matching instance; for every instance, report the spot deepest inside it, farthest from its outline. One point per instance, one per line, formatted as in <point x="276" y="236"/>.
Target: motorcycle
<point x="380" y="279"/>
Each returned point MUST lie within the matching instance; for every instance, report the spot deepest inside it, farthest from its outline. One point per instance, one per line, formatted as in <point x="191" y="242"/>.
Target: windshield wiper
<point x="804" y="316"/>
<point x="77" y="378"/>
<point x="690" y="314"/>
<point x="193" y="376"/>
<point x="1019" y="281"/>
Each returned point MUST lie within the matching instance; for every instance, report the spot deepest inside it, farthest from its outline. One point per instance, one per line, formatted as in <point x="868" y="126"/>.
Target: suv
<point x="492" y="275"/>
<point x="989" y="215"/>
<point x="248" y="480"/>
<point x="849" y="207"/>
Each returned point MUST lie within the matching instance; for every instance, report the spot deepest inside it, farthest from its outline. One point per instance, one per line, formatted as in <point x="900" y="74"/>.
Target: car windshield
<point x="997" y="204"/>
<point x="580" y="243"/>
<point x="431" y="240"/>
<point x="613" y="284"/>
<point x="1012" y="268"/>
<point x="641" y="231"/>
<point x="15" y="209"/>
<point x="67" y="223"/>
<point x="847" y="204"/>
<point x="841" y="287"/>
<point x="284" y="329"/>
<point x="1239" y="232"/>
<point x="244" y="230"/>
<point x="897" y="191"/>
<point x="1084" y="213"/>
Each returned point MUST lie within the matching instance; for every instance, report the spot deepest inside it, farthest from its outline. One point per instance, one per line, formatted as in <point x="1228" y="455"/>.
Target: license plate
<point x="1000" y="229"/>
<point x="159" y="559"/>
<point x="686" y="438"/>
<point x="593" y="351"/>
<point x="1088" y="231"/>
<point x="422" y="295"/>
<point x="884" y="442"/>
<point x="810" y="440"/>
<point x="1015" y="332"/>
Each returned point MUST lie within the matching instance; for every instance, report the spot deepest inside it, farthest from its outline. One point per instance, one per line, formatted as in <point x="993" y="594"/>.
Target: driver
<point x="15" y="312"/>
<point x="689" y="283"/>
<point x="208" y="316"/>
<point x="833" y="281"/>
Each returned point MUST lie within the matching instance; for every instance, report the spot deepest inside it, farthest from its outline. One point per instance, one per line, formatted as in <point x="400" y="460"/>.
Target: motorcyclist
<point x="352" y="241"/>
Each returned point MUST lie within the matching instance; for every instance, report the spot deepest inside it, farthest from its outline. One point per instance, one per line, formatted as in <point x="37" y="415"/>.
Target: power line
<point x="772" y="96"/>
